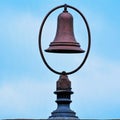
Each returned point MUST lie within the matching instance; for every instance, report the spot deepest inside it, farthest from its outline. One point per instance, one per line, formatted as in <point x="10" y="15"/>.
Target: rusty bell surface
<point x="64" y="41"/>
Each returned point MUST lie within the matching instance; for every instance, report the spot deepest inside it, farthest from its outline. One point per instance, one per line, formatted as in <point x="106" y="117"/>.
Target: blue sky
<point x="27" y="86"/>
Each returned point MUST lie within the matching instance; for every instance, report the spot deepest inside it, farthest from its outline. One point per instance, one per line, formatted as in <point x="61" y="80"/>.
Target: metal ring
<point x="89" y="40"/>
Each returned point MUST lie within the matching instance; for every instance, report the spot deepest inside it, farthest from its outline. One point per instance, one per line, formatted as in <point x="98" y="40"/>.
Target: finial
<point x="65" y="8"/>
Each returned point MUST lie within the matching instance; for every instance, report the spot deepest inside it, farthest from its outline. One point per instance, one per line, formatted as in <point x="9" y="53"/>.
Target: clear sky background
<point x="27" y="86"/>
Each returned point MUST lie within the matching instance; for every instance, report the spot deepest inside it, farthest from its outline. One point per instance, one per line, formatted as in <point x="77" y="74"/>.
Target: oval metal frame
<point x="89" y="39"/>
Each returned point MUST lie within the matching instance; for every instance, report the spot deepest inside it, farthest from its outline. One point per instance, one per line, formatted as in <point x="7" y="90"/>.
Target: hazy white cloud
<point x="96" y="88"/>
<point x="19" y="98"/>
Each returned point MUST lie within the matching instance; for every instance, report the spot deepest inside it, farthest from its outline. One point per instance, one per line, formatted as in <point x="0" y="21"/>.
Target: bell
<point x="64" y="41"/>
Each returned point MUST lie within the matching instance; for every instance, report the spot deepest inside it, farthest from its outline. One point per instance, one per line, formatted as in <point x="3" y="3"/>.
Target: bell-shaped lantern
<point x="64" y="41"/>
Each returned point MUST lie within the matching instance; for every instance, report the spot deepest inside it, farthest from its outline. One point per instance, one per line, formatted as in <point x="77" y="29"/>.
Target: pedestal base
<point x="63" y="118"/>
<point x="63" y="101"/>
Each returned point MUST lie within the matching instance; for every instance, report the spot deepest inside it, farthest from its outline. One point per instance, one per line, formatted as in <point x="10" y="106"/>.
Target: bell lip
<point x="64" y="47"/>
<point x="64" y="51"/>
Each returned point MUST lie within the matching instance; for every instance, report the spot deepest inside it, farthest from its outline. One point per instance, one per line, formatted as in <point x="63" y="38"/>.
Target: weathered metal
<point x="63" y="83"/>
<point x="63" y="92"/>
<point x="65" y="41"/>
<point x="40" y="40"/>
